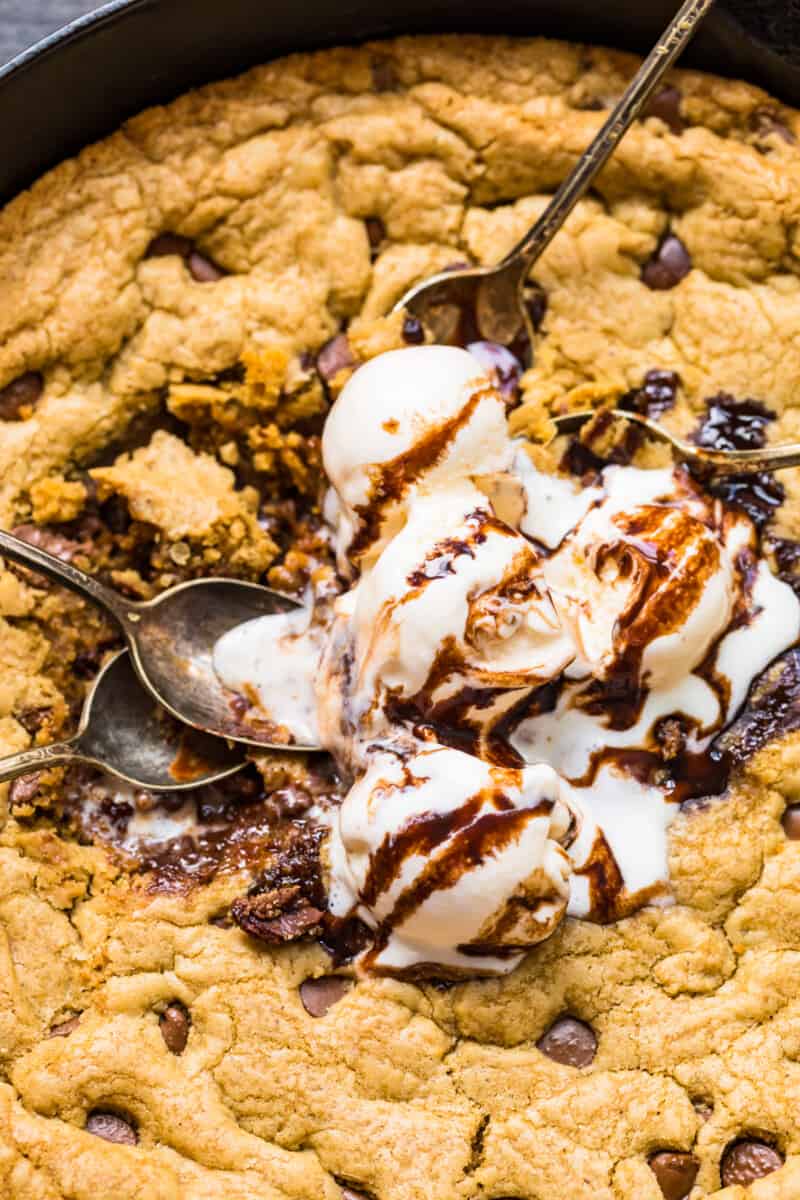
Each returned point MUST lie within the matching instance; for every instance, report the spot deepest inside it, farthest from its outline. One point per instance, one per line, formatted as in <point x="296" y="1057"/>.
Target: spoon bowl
<point x="172" y="641"/>
<point x="123" y="732"/>
<point x="491" y="300"/>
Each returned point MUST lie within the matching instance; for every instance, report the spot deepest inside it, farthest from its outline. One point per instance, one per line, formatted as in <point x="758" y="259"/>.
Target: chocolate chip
<point x="570" y="1042"/>
<point x="675" y="1173"/>
<point x="203" y="269"/>
<point x="668" y="266"/>
<point x="280" y="915"/>
<point x="791" y="822"/>
<point x="349" y="1194"/>
<point x="335" y="356"/>
<point x="46" y="539"/>
<point x="23" y="790"/>
<point x="20" y="397"/>
<point x="656" y="396"/>
<point x="732" y="424"/>
<point x="174" y="1024"/>
<point x="748" y="1159"/>
<point x="703" y="1108"/>
<point x="112" y="1127"/>
<point x="666" y="105"/>
<point x="33" y="719"/>
<point x="318" y="995"/>
<point x="169" y="243"/>
<point x="64" y="1028"/>
<point x="536" y="304"/>
<point x="384" y="76"/>
<point x="413" y="333"/>
<point x="376" y="231"/>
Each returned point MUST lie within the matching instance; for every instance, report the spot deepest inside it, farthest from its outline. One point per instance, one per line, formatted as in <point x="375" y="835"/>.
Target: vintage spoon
<point x="493" y="298"/>
<point x="706" y="462"/>
<point x="122" y="732"/>
<point x="171" y="638"/>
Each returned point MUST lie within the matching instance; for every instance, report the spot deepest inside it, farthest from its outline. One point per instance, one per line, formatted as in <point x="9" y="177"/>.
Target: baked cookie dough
<point x="164" y="301"/>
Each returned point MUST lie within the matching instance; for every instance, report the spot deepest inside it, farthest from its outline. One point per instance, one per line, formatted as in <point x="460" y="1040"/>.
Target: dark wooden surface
<point x="23" y="22"/>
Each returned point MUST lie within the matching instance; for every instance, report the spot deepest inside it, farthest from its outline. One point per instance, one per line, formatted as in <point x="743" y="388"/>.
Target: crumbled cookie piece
<point x="190" y="499"/>
<point x="57" y="501"/>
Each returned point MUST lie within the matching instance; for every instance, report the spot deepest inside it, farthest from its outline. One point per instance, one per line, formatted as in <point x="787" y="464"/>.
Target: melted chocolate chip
<point x="174" y="1024"/>
<point x="791" y="822"/>
<point x="320" y="994"/>
<point x="203" y="269"/>
<point x="20" y="397"/>
<point x="413" y="333"/>
<point x="580" y="457"/>
<point x="733" y="424"/>
<point x="23" y="790"/>
<point x="33" y="719"/>
<point x="675" y="1173"/>
<point x="666" y="105"/>
<point x="656" y="396"/>
<point x="748" y="1159"/>
<point x="112" y="1127"/>
<point x="335" y="356"/>
<point x="500" y="363"/>
<point x="772" y="709"/>
<point x="757" y="495"/>
<point x="64" y="1028"/>
<point x="668" y="266"/>
<point x="54" y="543"/>
<point x="277" y="917"/>
<point x="570" y="1042"/>
<point x="344" y="939"/>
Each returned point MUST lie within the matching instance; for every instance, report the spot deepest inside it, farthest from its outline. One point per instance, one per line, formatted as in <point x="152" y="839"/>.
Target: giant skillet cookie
<point x="171" y="1027"/>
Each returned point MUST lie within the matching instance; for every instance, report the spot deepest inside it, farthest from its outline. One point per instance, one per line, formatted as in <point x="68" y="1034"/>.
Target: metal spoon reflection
<point x="122" y="732"/>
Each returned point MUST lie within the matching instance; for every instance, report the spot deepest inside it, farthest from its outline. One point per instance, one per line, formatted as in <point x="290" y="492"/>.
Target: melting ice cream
<point x="521" y="680"/>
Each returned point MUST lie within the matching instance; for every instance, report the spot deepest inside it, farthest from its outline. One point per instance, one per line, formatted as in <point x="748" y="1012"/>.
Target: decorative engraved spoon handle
<point x="39" y="758"/>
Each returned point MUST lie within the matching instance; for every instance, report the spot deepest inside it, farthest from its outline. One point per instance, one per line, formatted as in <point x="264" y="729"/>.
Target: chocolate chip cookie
<point x="181" y="1012"/>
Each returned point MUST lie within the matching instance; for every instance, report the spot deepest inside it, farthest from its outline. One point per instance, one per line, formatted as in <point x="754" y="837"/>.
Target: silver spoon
<point x="493" y="297"/>
<point x="122" y="732"/>
<point x="171" y="638"/>
<point x="706" y="462"/>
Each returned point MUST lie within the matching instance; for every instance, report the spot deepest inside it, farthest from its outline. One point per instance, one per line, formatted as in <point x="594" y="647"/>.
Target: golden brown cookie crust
<point x="399" y="1091"/>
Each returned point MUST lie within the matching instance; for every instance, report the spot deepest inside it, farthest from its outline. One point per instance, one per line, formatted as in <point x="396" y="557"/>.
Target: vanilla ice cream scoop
<point x="453" y="600"/>
<point x="524" y="676"/>
<point x="420" y="417"/>
<point x="646" y="581"/>
<point x="451" y="861"/>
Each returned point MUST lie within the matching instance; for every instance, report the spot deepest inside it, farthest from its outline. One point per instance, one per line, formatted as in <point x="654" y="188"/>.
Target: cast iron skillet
<point x="82" y="82"/>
